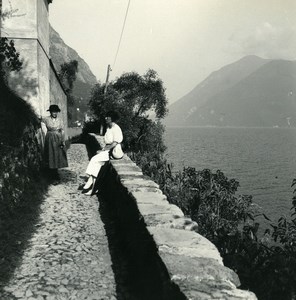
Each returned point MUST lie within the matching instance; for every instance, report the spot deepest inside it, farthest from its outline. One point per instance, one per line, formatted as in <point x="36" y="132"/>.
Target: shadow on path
<point x="139" y="272"/>
<point x="17" y="228"/>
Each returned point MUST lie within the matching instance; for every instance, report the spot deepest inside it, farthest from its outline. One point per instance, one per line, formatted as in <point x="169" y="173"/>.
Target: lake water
<point x="263" y="160"/>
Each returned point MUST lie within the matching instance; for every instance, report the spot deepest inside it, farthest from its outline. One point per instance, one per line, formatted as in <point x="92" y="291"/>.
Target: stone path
<point x="68" y="255"/>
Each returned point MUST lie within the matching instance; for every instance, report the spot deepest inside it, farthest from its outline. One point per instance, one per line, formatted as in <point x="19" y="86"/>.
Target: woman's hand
<point x="92" y="134"/>
<point x="110" y="146"/>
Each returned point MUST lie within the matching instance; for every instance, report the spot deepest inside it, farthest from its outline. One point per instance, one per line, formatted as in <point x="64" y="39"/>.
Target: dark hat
<point x="54" y="107"/>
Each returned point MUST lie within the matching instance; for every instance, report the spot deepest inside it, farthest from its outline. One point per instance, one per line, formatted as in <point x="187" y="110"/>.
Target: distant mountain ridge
<point x="60" y="53"/>
<point x="250" y="92"/>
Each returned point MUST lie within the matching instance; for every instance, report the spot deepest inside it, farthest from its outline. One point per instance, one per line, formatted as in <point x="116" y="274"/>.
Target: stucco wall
<point x="43" y="25"/>
<point x="26" y="82"/>
<point x="23" y="22"/>
<point x="32" y="82"/>
<point x="29" y="28"/>
<point x="29" y="20"/>
<point x="43" y="80"/>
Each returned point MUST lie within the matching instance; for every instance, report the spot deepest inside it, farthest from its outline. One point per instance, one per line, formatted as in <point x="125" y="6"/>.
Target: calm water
<point x="263" y="160"/>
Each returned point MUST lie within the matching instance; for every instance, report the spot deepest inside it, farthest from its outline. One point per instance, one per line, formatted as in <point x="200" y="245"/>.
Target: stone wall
<point x="154" y="231"/>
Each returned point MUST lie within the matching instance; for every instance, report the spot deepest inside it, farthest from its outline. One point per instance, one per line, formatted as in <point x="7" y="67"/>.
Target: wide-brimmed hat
<point x="54" y="107"/>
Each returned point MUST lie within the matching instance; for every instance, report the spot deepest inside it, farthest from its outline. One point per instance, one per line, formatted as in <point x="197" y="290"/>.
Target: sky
<point x="184" y="41"/>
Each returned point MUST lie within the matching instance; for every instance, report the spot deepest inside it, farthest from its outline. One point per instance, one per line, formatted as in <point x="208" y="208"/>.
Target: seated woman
<point x="113" y="138"/>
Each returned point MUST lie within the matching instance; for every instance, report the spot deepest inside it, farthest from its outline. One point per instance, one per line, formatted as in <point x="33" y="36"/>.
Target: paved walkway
<point x="68" y="256"/>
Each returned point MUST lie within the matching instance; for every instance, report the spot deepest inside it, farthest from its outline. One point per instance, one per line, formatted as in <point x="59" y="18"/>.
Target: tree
<point x="136" y="98"/>
<point x="68" y="73"/>
<point x="9" y="57"/>
<point x="67" y="76"/>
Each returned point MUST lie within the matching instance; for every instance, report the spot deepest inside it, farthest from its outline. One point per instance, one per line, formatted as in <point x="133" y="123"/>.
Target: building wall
<point x="26" y="82"/>
<point x="43" y="26"/>
<point x="29" y="28"/>
<point x="58" y="96"/>
<point x="23" y="22"/>
<point x="44" y="81"/>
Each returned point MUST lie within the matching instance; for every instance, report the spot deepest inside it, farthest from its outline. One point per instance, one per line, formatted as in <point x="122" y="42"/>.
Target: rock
<point x="18" y="293"/>
<point x="65" y="281"/>
<point x="62" y="289"/>
<point x="29" y="293"/>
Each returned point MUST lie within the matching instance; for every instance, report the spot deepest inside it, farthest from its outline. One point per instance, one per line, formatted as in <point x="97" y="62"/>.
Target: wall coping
<point x="192" y="261"/>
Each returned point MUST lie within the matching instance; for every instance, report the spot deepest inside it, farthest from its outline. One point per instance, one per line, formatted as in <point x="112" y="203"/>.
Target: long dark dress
<point x="54" y="155"/>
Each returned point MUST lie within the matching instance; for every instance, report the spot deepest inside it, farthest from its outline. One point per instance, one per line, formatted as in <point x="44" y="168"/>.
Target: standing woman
<point x="113" y="139"/>
<point x="54" y="155"/>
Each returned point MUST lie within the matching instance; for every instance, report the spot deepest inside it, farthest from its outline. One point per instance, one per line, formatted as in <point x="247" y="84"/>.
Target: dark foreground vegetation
<point x="266" y="264"/>
<point x="22" y="185"/>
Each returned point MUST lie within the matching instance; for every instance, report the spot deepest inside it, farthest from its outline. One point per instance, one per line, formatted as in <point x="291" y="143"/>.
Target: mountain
<point x="61" y="53"/>
<point x="250" y="92"/>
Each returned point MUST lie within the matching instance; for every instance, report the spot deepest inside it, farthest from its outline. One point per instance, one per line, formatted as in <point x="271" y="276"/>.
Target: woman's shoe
<point x="89" y="193"/>
<point x="85" y="191"/>
<point x="88" y="183"/>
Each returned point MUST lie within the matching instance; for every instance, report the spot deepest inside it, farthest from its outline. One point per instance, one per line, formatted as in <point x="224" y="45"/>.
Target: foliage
<point x="135" y="97"/>
<point x="15" y="115"/>
<point x="143" y="93"/>
<point x="19" y="149"/>
<point x="19" y="165"/>
<point x="265" y="264"/>
<point x="21" y="186"/>
<point x="9" y="57"/>
<point x="67" y="75"/>
<point x="208" y="198"/>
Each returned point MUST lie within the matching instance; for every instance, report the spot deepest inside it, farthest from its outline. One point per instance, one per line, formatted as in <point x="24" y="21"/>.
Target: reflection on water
<point x="263" y="160"/>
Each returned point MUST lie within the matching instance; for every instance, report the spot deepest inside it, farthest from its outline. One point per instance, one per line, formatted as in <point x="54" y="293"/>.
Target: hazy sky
<point x="183" y="40"/>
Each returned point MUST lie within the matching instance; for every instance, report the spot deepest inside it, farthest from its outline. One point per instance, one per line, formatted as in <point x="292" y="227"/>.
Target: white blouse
<point x="113" y="134"/>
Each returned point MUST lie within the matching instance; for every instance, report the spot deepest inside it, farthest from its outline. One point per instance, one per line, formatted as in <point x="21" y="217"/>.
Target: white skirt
<point x="96" y="163"/>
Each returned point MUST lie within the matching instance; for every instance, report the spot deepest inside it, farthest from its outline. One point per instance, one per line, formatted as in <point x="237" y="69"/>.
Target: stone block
<point x="174" y="223"/>
<point x="163" y="220"/>
<point x="149" y="195"/>
<point x="183" y="242"/>
<point x="133" y="183"/>
<point x="198" y="269"/>
<point x="151" y="209"/>
<point x="208" y="289"/>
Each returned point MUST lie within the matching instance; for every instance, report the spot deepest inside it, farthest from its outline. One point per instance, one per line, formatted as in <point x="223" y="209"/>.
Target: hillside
<point x="61" y="53"/>
<point x="249" y="92"/>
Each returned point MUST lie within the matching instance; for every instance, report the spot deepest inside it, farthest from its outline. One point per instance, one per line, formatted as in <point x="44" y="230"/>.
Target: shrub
<point x="19" y="150"/>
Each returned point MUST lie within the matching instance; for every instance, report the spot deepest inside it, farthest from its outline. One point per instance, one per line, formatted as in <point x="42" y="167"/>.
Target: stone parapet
<point x="193" y="263"/>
